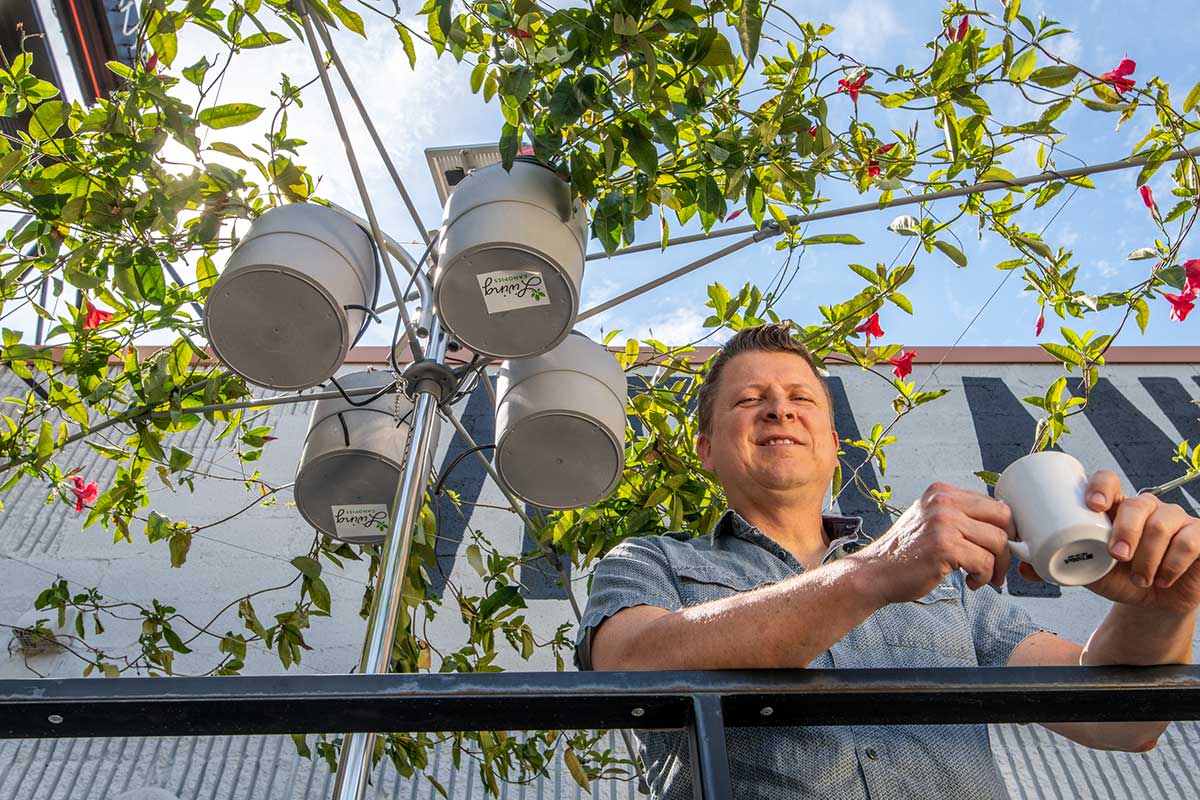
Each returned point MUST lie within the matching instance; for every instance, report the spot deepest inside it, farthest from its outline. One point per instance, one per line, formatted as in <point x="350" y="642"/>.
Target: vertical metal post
<point x="706" y="745"/>
<point x="354" y="765"/>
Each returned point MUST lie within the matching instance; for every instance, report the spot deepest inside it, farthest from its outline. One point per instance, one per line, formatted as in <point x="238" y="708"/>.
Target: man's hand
<point x="945" y="530"/>
<point x="1156" y="545"/>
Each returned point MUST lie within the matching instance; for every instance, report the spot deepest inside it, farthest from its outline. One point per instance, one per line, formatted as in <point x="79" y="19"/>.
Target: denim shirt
<point x="950" y="627"/>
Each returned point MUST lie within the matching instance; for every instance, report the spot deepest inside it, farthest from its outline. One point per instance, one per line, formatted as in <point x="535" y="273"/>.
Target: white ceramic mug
<point x="1063" y="539"/>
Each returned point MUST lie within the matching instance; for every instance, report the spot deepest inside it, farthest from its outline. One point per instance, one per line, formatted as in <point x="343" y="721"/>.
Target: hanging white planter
<point x="282" y="315"/>
<point x="510" y="260"/>
<point x="560" y="424"/>
<point x="352" y="460"/>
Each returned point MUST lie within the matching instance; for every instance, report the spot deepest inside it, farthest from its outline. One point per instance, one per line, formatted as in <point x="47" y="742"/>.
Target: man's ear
<point x="704" y="451"/>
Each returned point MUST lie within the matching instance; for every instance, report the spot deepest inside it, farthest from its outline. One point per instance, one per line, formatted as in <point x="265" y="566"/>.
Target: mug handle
<point x="1020" y="550"/>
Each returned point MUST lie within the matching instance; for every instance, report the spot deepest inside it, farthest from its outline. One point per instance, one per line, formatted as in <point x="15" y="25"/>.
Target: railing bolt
<point x="638" y="712"/>
<point x="767" y="711"/>
<point x="55" y="719"/>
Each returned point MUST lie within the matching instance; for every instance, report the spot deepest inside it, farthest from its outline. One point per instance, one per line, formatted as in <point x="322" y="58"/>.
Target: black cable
<point x="361" y="307"/>
<point x="361" y="403"/>
<point x="400" y="300"/>
<point x="437" y="489"/>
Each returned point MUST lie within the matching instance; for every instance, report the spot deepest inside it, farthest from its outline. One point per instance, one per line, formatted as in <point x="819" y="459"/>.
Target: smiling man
<point x="778" y="584"/>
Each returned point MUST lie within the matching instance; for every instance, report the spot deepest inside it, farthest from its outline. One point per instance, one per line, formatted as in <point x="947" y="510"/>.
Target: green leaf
<point x="1143" y="313"/>
<point x="1063" y="354"/>
<point x="309" y="567"/>
<point x="1036" y="245"/>
<point x="172" y="638"/>
<point x="576" y="770"/>
<point x="229" y="115"/>
<point x="905" y="225"/>
<point x="252" y="42"/>
<point x="501" y="598"/>
<point x="1023" y="66"/>
<point x="720" y="54"/>
<point x="989" y="478"/>
<point x="48" y="118"/>
<point x="319" y="593"/>
<point x="10" y="161"/>
<point x="951" y="252"/>
<point x="196" y="72"/>
<point x="709" y="199"/>
<point x="179" y="459"/>
<point x="206" y="272"/>
<point x="1193" y="99"/>
<point x="475" y="559"/>
<point x="1011" y="10"/>
<point x="1056" y="75"/>
<point x="348" y="18"/>
<point x="642" y="150"/>
<point x="720" y="299"/>
<point x="831" y="238"/>
<point x="406" y="41"/>
<point x="749" y="27"/>
<point x="1153" y="162"/>
<point x="179" y="545"/>
<point x="1096" y="105"/>
<point x="1143" y="253"/>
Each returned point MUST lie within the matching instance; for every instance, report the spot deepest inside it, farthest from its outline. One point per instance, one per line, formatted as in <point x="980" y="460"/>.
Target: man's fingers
<point x="1129" y="528"/>
<point x="1181" y="555"/>
<point x="995" y="541"/>
<point x="1158" y="534"/>
<point x="977" y="506"/>
<point x="1104" y="490"/>
<point x="978" y="562"/>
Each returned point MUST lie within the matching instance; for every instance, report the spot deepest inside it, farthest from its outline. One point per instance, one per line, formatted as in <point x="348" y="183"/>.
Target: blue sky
<point x="433" y="106"/>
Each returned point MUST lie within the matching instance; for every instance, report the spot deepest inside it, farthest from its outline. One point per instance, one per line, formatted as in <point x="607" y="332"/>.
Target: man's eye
<point x="746" y="400"/>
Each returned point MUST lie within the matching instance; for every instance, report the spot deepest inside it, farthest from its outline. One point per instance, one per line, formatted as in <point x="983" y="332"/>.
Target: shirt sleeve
<point x="998" y="625"/>
<point x="635" y="573"/>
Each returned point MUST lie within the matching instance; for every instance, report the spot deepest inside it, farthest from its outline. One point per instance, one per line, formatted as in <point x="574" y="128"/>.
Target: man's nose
<point x="780" y="410"/>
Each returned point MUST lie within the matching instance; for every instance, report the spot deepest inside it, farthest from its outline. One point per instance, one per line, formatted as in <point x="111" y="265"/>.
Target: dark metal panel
<point x="527" y="701"/>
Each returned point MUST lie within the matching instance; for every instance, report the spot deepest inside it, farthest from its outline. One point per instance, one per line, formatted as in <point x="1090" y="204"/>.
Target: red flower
<point x="1192" y="283"/>
<point x="520" y="34"/>
<point x="883" y="148"/>
<point x="152" y="62"/>
<point x="870" y="328"/>
<point x="1119" y="77"/>
<point x="1148" y="199"/>
<point x="1181" y="304"/>
<point x="873" y="169"/>
<point x="813" y="131"/>
<point x="734" y="215"/>
<point x="95" y="317"/>
<point x="853" y="87"/>
<point x="1041" y="323"/>
<point x="84" y="492"/>
<point x="902" y="363"/>
<point x="961" y="33"/>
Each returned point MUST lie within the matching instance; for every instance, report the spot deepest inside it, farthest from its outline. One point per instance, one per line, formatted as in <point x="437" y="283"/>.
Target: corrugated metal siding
<point x="1036" y="764"/>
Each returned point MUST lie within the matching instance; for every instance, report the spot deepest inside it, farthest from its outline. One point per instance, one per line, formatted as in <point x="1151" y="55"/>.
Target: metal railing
<point x="701" y="703"/>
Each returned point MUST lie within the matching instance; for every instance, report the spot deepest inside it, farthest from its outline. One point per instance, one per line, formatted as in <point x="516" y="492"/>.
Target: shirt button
<point x="871" y="754"/>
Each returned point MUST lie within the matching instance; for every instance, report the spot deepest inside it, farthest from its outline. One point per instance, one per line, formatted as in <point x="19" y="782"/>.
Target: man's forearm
<point x="1143" y="637"/>
<point x="787" y="624"/>
<point x="1131" y="635"/>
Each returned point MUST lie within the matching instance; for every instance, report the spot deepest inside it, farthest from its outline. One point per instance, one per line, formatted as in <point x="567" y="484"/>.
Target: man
<point x="778" y="585"/>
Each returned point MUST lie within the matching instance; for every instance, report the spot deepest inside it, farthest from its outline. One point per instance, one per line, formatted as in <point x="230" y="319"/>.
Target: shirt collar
<point x="846" y="534"/>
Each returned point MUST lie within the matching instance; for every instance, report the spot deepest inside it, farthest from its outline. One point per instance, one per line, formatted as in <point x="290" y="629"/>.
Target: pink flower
<point x="902" y="363"/>
<point x="961" y="33"/>
<point x="84" y="492"/>
<point x="870" y="328"/>
<point x="853" y="87"/>
<point x="1192" y="283"/>
<point x="152" y="62"/>
<point x="1148" y="199"/>
<point x="1119" y="77"/>
<point x="1181" y="304"/>
<point x="1041" y="323"/>
<point x="95" y="317"/>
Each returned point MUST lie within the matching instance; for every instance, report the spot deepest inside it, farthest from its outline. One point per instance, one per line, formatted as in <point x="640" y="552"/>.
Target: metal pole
<point x="356" y="172"/>
<point x="975" y="188"/>
<point x="354" y="764"/>
<point x="706" y="746"/>
<point x="366" y="118"/>
<point x="766" y="233"/>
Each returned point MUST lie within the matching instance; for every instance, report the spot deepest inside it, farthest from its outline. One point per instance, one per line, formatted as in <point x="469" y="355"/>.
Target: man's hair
<point x="772" y="337"/>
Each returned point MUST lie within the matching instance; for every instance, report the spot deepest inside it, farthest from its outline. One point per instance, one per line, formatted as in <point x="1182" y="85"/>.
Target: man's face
<point x="772" y="427"/>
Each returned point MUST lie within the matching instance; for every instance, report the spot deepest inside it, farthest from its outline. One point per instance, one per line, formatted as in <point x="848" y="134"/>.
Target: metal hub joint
<point x="429" y="377"/>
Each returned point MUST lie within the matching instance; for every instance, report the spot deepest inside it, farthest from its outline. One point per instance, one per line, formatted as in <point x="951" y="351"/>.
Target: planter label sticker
<point x="510" y="289"/>
<point x="360" y="520"/>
